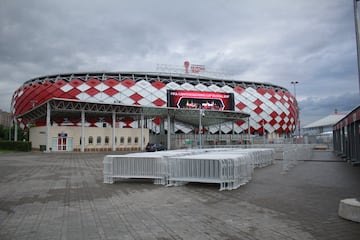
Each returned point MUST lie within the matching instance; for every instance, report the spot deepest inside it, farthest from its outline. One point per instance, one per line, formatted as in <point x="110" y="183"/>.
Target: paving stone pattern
<point x="62" y="196"/>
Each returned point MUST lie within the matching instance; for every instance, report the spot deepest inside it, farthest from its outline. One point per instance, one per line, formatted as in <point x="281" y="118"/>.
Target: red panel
<point x="76" y="82"/>
<point x="111" y="91"/>
<point x="92" y="91"/>
<point x="273" y="100"/>
<point x="240" y="105"/>
<point x="159" y="102"/>
<point x="283" y="115"/>
<point x="128" y="83"/>
<point x="158" y="84"/>
<point x="74" y="92"/>
<point x="240" y="122"/>
<point x="258" y="110"/>
<point x="60" y="83"/>
<point x="273" y="114"/>
<point x="239" y="89"/>
<point x="136" y="97"/>
<point x="93" y="82"/>
<point x="272" y="122"/>
<point x="258" y="102"/>
<point x="157" y="121"/>
<point x="261" y="91"/>
<point x="111" y="82"/>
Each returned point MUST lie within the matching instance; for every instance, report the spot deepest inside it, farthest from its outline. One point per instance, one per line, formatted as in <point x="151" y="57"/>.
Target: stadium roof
<point x="326" y="121"/>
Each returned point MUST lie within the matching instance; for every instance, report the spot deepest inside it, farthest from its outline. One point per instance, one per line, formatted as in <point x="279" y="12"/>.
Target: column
<point x="142" y="132"/>
<point x="48" y="134"/>
<point x="15" y="129"/>
<point x="168" y="132"/>
<point x="82" y="131"/>
<point x="113" y="131"/>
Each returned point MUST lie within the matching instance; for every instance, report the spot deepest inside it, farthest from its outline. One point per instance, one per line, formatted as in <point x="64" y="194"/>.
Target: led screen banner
<point x="200" y="100"/>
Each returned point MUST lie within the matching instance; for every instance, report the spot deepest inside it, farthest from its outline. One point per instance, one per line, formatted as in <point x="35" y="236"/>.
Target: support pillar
<point x="249" y="130"/>
<point x="82" y="131"/>
<point x="15" y="130"/>
<point x="113" y="131"/>
<point x="48" y="127"/>
<point x="168" y="132"/>
<point x="142" y="132"/>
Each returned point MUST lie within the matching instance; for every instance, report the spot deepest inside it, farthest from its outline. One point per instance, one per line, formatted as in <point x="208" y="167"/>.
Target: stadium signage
<point x="200" y="100"/>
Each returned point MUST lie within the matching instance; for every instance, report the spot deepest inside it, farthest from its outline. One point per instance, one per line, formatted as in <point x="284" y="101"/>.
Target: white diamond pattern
<point x="66" y="87"/>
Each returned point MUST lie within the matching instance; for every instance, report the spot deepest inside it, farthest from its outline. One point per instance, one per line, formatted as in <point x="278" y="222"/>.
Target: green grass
<point x="6" y="151"/>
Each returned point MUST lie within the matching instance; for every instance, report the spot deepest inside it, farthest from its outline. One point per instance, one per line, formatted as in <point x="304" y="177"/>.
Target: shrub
<point x="15" y="146"/>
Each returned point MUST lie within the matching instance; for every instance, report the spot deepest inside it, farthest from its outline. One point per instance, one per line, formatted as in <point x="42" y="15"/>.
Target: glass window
<point x="122" y="140"/>
<point x="136" y="140"/>
<point x="98" y="140"/>
<point x="90" y="141"/>
<point x="107" y="140"/>
<point x="115" y="140"/>
<point x="129" y="140"/>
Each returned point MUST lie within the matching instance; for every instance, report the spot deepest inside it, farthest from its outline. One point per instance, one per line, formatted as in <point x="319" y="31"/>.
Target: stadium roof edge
<point x="163" y="74"/>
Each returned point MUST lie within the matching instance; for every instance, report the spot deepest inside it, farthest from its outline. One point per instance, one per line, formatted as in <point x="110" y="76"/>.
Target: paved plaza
<point x="62" y="196"/>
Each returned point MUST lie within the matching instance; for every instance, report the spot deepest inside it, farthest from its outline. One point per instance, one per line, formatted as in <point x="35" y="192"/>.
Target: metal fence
<point x="228" y="167"/>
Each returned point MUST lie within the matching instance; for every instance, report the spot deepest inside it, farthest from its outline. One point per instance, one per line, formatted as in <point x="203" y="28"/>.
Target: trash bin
<point x="42" y="148"/>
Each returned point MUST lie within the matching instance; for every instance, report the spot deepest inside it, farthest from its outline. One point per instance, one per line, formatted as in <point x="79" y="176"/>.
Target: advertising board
<point x="200" y="100"/>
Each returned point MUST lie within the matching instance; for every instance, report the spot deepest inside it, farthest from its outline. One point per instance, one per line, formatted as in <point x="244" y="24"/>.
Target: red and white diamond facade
<point x="271" y="107"/>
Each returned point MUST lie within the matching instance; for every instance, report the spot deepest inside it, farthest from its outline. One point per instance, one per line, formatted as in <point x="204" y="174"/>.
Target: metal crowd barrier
<point x="230" y="168"/>
<point x="294" y="153"/>
<point x="139" y="165"/>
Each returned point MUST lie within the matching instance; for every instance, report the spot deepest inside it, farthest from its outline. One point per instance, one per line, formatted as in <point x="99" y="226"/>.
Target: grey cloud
<point x="273" y="41"/>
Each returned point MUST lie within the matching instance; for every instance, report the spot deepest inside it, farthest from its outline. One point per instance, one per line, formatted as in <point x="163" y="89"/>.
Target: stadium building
<point x="125" y="110"/>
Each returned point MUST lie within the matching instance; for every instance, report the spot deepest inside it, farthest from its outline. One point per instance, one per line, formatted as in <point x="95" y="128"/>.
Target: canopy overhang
<point x="73" y="108"/>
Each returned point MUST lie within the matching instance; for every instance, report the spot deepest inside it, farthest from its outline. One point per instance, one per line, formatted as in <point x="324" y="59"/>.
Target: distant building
<point x="323" y="125"/>
<point x="5" y="118"/>
<point x="321" y="131"/>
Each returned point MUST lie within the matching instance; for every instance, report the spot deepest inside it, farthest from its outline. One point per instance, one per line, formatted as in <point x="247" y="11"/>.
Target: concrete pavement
<point x="61" y="196"/>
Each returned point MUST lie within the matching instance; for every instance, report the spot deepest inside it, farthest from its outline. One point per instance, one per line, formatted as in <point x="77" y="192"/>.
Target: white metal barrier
<point x="294" y="153"/>
<point x="231" y="168"/>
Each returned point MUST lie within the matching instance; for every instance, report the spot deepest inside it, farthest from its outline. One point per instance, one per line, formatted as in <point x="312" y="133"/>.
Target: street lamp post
<point x="298" y="112"/>
<point x="356" y="18"/>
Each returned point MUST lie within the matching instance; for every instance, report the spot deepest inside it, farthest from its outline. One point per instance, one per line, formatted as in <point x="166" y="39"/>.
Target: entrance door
<point x="61" y="144"/>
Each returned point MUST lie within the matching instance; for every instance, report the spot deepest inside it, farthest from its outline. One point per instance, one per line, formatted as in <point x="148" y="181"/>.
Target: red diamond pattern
<point x="240" y="105"/>
<point x="240" y="122"/>
<point x="75" y="82"/>
<point x="136" y="97"/>
<point x="272" y="122"/>
<point x="258" y="110"/>
<point x="258" y="102"/>
<point x="239" y="89"/>
<point x="93" y="82"/>
<point x="274" y="114"/>
<point x="261" y="91"/>
<point x="48" y="89"/>
<point x="128" y="83"/>
<point x="159" y="102"/>
<point x="158" y="85"/>
<point x="111" y="82"/>
<point x="92" y="91"/>
<point x="60" y="83"/>
<point x="273" y="99"/>
<point x="111" y="91"/>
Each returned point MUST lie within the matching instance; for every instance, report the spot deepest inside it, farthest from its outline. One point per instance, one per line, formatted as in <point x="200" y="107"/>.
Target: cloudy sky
<point x="276" y="41"/>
